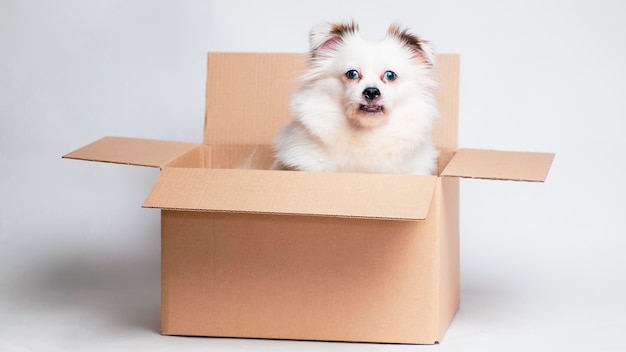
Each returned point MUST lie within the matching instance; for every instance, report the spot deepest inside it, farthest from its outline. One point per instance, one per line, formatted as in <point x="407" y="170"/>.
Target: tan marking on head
<point x="343" y="29"/>
<point x="328" y="36"/>
<point x="414" y="43"/>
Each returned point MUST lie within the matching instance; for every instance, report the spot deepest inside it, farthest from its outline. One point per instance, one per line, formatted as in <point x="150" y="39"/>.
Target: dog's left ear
<point x="416" y="45"/>
<point x="328" y="36"/>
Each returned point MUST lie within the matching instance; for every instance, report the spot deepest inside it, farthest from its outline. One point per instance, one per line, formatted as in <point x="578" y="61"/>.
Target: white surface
<point x="543" y="265"/>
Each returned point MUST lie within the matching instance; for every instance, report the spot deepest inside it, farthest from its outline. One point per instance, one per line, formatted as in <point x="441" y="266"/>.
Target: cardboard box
<point x="251" y="252"/>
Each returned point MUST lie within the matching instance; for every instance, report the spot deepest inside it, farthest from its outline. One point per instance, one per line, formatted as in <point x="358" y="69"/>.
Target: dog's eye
<point x="390" y="76"/>
<point x="352" y="74"/>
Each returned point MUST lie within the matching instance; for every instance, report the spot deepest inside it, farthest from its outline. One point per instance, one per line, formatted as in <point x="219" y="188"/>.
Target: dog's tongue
<point x="371" y="108"/>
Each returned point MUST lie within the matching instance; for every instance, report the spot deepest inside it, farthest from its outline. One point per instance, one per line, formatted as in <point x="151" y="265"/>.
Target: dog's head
<point x="370" y="78"/>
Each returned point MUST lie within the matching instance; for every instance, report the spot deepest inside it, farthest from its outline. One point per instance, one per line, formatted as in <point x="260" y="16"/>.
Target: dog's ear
<point x="416" y="45"/>
<point x="328" y="36"/>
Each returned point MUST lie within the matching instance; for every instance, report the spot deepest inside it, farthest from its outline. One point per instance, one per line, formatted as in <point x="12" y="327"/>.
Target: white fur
<point x="330" y="133"/>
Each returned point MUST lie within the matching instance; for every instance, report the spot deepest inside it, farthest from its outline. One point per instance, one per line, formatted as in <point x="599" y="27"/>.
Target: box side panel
<point x="445" y="134"/>
<point x="447" y="208"/>
<point x="194" y="158"/>
<point x="298" y="277"/>
<point x="167" y="251"/>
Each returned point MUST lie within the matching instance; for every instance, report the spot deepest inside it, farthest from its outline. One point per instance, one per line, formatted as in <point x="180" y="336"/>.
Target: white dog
<point x="363" y="106"/>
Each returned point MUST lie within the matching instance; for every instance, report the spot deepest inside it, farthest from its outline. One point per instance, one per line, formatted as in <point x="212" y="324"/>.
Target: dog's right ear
<point x="328" y="36"/>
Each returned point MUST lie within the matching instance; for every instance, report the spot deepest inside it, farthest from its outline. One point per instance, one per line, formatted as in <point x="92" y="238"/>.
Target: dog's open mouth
<point x="371" y="109"/>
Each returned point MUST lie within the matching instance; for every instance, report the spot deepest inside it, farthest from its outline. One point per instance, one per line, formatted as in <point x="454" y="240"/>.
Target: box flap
<point x="402" y="197"/>
<point x="499" y="165"/>
<point x="131" y="151"/>
<point x="247" y="96"/>
<point x="445" y="132"/>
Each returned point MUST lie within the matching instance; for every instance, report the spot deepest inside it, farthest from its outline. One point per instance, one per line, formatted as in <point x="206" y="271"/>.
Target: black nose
<point x="371" y="93"/>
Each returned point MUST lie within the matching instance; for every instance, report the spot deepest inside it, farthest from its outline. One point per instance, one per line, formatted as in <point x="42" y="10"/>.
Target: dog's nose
<point x="371" y="93"/>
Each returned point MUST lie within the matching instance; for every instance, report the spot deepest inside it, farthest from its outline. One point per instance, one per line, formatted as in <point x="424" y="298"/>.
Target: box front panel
<point x="299" y="277"/>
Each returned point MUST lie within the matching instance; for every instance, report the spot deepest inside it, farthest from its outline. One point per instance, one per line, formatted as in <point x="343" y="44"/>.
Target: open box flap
<point x="247" y="96"/>
<point x="378" y="196"/>
<point x="131" y="151"/>
<point x="499" y="165"/>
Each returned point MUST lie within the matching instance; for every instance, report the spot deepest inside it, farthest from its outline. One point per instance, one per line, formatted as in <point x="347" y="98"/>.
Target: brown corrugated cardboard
<point x="131" y="151"/>
<point x="499" y="165"/>
<point x="253" y="252"/>
<point x="282" y="192"/>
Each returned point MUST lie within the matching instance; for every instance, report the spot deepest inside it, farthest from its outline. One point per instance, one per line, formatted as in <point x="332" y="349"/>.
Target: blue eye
<point x="352" y="74"/>
<point x="390" y="76"/>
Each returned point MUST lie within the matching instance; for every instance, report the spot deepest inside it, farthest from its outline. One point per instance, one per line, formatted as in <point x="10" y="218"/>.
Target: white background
<point x="543" y="265"/>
